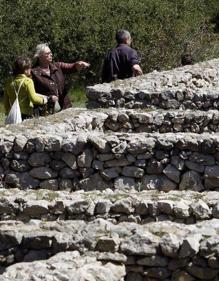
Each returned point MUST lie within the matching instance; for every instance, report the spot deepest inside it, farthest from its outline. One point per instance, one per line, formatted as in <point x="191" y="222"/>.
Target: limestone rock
<point x="99" y="143"/>
<point x="43" y="173"/>
<point x="19" y="165"/>
<point x="102" y="207"/>
<point x="51" y="184"/>
<point x="202" y="273"/>
<point x="111" y="173"/>
<point x="106" y="244"/>
<point x="38" y="159"/>
<point x="124" y="182"/>
<point x="190" y="246"/>
<point x="170" y="244"/>
<point x="94" y="182"/>
<point x="172" y="173"/>
<point x="153" y="261"/>
<point x="70" y="160"/>
<point x="123" y="206"/>
<point x="66" y="266"/>
<point x="139" y="244"/>
<point x="201" y="210"/>
<point x="85" y="159"/>
<point x="159" y="182"/>
<point x="211" y="176"/>
<point x="19" y="143"/>
<point x="191" y="180"/>
<point x="35" y="210"/>
<point x="132" y="171"/>
<point x="21" y="180"/>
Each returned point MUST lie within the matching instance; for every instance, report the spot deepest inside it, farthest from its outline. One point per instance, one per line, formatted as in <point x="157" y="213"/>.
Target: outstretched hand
<point x="81" y="65"/>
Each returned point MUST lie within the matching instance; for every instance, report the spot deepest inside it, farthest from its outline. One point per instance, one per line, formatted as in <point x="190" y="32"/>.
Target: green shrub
<point x="84" y="29"/>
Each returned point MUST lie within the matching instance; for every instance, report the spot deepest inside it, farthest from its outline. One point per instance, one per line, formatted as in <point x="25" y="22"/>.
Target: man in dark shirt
<point x="122" y="61"/>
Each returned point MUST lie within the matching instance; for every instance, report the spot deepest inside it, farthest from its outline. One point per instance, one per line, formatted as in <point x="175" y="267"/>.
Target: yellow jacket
<point x="27" y="96"/>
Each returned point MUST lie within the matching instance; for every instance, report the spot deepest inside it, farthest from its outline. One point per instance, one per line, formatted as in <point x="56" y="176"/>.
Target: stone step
<point x="189" y="87"/>
<point x="159" y="250"/>
<point x="131" y="206"/>
<point x="120" y="120"/>
<point x="97" y="161"/>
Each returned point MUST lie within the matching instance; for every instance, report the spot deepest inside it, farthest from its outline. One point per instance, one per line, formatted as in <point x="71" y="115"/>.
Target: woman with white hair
<point x="49" y="77"/>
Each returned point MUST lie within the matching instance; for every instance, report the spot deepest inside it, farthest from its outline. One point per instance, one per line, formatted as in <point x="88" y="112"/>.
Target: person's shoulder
<point x="28" y="81"/>
<point x="130" y="48"/>
<point x="131" y="51"/>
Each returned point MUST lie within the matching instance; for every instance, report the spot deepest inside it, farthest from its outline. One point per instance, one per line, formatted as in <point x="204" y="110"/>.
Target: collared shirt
<point x="27" y="96"/>
<point x="118" y="63"/>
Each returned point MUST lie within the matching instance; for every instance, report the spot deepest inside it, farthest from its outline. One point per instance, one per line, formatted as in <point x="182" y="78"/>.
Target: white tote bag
<point x="14" y="115"/>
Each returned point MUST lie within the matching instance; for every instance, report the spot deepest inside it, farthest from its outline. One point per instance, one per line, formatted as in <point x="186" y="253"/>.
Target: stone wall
<point x="99" y="161"/>
<point x="188" y="87"/>
<point x="64" y="266"/>
<point x="148" y="252"/>
<point x="131" y="206"/>
<point x="119" y="120"/>
<point x="116" y="194"/>
<point x="157" y="121"/>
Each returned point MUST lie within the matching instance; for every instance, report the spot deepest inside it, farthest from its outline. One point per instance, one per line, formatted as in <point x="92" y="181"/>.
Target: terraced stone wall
<point x="119" y="206"/>
<point x="96" y="161"/>
<point x="116" y="194"/>
<point x="188" y="87"/>
<point x="153" y="251"/>
<point x="119" y="121"/>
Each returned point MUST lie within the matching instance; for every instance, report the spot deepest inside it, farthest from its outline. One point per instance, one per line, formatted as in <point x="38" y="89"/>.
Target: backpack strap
<point x="18" y="91"/>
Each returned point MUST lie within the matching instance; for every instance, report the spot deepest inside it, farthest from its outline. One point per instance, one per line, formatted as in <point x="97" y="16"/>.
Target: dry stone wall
<point x="98" y="161"/>
<point x="119" y="194"/>
<point x="188" y="87"/>
<point x="149" y="251"/>
<point x="119" y="120"/>
<point x="65" y="266"/>
<point x="118" y="206"/>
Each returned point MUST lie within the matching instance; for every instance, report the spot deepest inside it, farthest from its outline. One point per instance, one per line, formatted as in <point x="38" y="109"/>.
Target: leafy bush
<point x="84" y="29"/>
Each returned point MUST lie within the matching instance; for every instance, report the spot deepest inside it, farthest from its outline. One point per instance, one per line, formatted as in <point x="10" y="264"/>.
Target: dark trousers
<point x="25" y="116"/>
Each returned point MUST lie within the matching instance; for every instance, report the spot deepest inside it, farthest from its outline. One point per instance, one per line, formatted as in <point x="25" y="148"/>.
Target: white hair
<point x="40" y="48"/>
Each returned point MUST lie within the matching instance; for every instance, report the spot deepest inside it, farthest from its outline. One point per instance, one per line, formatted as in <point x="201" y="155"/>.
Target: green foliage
<point x="2" y="114"/>
<point x="84" y="29"/>
<point x="77" y="97"/>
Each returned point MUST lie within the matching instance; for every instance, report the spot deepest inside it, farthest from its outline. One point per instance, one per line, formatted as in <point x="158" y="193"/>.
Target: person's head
<point x="22" y="65"/>
<point x="43" y="54"/>
<point x="123" y="36"/>
<point x="186" y="59"/>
